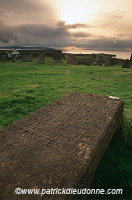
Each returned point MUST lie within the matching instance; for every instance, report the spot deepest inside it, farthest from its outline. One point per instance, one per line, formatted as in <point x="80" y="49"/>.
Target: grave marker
<point x="3" y="59"/>
<point x="126" y="64"/>
<point x="57" y="57"/>
<point x="107" y="61"/>
<point x="27" y="56"/>
<point x="41" y="57"/>
<point x="13" y="58"/>
<point x="71" y="59"/>
<point x="100" y="61"/>
<point x="58" y="146"/>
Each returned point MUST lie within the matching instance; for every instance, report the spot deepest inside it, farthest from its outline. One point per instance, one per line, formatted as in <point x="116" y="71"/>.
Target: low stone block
<point x="126" y="64"/>
<point x="58" y="146"/>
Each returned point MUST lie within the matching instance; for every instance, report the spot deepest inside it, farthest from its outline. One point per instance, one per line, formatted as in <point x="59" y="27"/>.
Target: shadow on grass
<point x="114" y="169"/>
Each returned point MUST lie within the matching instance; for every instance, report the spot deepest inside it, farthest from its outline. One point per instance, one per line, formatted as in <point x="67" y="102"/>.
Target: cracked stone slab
<point x="58" y="146"/>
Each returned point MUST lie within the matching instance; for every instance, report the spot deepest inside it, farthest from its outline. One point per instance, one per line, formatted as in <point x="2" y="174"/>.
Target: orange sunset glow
<point x="80" y="25"/>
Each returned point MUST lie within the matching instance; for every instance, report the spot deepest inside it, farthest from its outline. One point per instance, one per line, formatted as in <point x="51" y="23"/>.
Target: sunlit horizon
<point x="74" y="26"/>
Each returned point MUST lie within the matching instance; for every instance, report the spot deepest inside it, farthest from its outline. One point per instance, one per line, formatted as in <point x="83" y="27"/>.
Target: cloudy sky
<point x="71" y="25"/>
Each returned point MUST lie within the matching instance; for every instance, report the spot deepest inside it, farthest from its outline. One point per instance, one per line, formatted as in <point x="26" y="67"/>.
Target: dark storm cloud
<point x="63" y="25"/>
<point x="16" y="12"/>
<point x="5" y="38"/>
<point x="17" y="6"/>
<point x="1" y="12"/>
<point x="60" y="35"/>
<point x="108" y="44"/>
<point x="32" y="22"/>
<point x="41" y="30"/>
<point x="82" y="34"/>
<point x="7" y="33"/>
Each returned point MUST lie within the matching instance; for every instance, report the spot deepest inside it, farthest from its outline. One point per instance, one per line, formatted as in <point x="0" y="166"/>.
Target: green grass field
<point x="26" y="87"/>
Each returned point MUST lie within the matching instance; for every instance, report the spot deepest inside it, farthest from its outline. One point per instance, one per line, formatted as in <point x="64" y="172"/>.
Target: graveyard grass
<point x="26" y="87"/>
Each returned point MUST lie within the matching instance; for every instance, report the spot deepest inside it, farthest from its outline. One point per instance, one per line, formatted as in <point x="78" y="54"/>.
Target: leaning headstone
<point x="107" y="61"/>
<point x="42" y="57"/>
<point x="57" y="57"/>
<point x="126" y="64"/>
<point x="58" y="146"/>
<point x="27" y="56"/>
<point x="3" y="59"/>
<point x="13" y="58"/>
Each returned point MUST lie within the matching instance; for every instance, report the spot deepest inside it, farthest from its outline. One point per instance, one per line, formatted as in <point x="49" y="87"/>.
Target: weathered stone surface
<point x="107" y="61"/>
<point x="27" y="56"/>
<point x="57" y="57"/>
<point x="71" y="59"/>
<point x="42" y="57"/>
<point x="126" y="64"/>
<point x="58" y="146"/>
<point x="100" y="61"/>
<point x="3" y="59"/>
<point x="13" y="58"/>
<point x="83" y="61"/>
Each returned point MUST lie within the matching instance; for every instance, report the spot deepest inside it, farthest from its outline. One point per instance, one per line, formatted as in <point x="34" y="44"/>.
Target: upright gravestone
<point x="94" y="58"/>
<point x="126" y="64"/>
<point x="107" y="61"/>
<point x="57" y="57"/>
<point x="93" y="61"/>
<point x="68" y="57"/>
<point x="3" y="59"/>
<point x="27" y="56"/>
<point x="42" y="57"/>
<point x="100" y="61"/>
<point x="14" y="54"/>
<point x="71" y="59"/>
<point x="13" y="58"/>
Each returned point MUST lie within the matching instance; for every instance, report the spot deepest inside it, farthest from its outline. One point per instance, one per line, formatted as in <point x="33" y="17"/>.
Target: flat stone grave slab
<point x="58" y="146"/>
